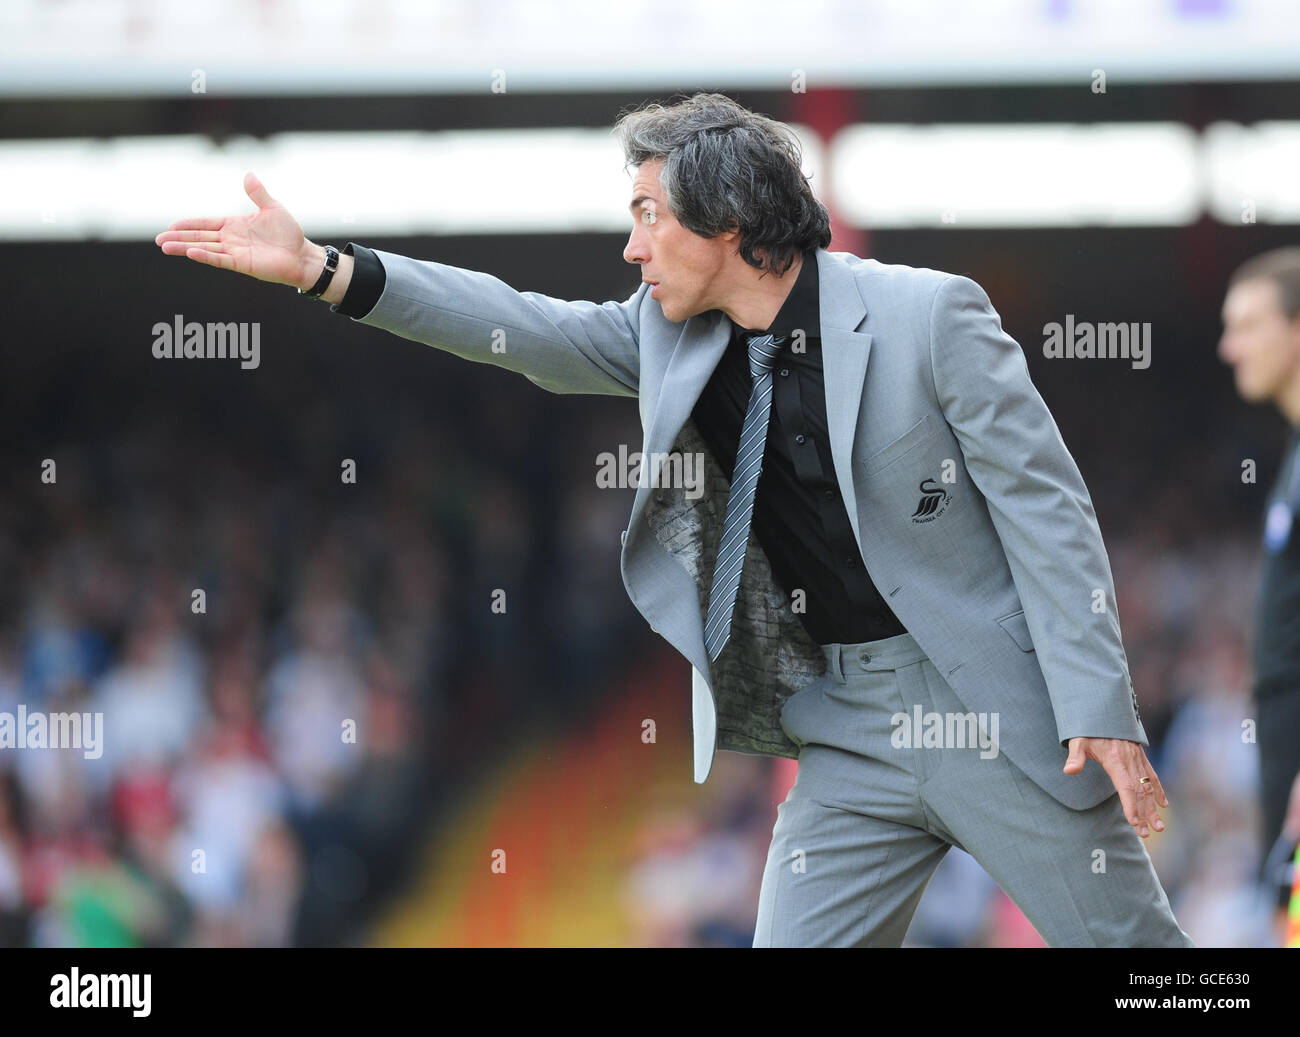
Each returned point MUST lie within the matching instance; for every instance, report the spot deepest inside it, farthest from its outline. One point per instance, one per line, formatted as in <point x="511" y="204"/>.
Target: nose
<point x="635" y="251"/>
<point x="1225" y="350"/>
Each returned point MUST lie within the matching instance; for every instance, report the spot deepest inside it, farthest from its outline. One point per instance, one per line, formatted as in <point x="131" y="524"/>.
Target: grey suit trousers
<point x="873" y="811"/>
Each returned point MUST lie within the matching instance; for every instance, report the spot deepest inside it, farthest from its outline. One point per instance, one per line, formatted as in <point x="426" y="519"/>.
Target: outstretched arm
<point x="564" y="347"/>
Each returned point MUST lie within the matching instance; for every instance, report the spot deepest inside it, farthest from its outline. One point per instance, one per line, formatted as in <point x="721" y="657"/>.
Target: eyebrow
<point x="639" y="199"/>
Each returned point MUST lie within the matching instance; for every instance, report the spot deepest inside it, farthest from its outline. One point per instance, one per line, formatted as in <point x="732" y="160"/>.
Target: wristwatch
<point x="326" y="275"/>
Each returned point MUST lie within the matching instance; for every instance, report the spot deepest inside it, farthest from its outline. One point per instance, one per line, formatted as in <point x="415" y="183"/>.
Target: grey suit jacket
<point x="971" y="515"/>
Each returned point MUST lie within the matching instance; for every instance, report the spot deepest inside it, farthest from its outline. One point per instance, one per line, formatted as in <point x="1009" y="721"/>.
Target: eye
<point x="649" y="215"/>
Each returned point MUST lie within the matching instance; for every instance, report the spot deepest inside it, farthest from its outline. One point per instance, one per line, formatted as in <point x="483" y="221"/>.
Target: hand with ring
<point x="1130" y="772"/>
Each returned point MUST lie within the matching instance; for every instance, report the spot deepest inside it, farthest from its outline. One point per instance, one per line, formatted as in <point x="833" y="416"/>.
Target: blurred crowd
<point x="273" y="755"/>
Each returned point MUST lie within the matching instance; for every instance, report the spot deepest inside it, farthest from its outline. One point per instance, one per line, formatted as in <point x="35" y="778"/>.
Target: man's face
<point x="685" y="266"/>
<point x="1260" y="344"/>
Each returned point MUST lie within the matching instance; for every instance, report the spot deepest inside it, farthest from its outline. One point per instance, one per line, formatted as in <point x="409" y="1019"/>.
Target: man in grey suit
<point x="892" y="571"/>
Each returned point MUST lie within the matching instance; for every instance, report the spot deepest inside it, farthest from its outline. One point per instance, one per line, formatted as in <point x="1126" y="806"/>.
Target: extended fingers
<point x="182" y="248"/>
<point x="1161" y="798"/>
<point x="198" y="223"/>
<point x="1149" y="808"/>
<point x="187" y="235"/>
<point x="1151" y="789"/>
<point x="221" y="259"/>
<point x="1144" y="798"/>
<point x="1127" y="766"/>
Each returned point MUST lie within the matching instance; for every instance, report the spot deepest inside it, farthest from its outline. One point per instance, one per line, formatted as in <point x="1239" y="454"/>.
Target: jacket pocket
<point x="1017" y="629"/>
<point x="913" y="437"/>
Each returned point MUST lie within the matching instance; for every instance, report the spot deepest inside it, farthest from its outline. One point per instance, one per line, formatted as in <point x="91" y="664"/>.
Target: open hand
<point x="268" y="244"/>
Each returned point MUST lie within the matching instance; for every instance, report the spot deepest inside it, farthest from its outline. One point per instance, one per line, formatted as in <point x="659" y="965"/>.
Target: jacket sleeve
<point x="1041" y="510"/>
<point x="564" y="347"/>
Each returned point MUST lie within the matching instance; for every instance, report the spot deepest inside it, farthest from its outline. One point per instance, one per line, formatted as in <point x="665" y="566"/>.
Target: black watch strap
<point x="326" y="275"/>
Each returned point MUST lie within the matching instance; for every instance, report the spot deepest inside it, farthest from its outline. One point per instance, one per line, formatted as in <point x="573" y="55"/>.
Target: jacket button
<point x="864" y="657"/>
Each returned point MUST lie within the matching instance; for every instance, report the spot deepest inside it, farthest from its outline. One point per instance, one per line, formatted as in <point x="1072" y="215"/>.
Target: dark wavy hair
<point x="727" y="168"/>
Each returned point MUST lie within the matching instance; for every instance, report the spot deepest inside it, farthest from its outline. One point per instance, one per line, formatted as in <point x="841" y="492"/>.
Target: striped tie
<point x="763" y="350"/>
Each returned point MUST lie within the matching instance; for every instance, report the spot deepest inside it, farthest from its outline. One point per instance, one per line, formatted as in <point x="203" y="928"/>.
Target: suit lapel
<point x="695" y="356"/>
<point x="845" y="352"/>
<point x="696" y="353"/>
<point x="844" y="355"/>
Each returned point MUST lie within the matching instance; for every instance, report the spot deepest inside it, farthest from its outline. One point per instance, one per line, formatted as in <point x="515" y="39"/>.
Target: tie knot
<point x="763" y="351"/>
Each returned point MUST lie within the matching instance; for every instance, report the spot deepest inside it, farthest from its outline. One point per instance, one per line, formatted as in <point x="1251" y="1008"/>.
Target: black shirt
<point x="799" y="514"/>
<point x="1277" y="629"/>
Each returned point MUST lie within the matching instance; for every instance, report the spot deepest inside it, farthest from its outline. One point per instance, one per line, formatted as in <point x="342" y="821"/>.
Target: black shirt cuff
<point x="366" y="286"/>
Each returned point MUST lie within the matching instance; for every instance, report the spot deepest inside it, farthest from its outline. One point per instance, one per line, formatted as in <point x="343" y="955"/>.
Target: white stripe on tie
<point x="763" y="350"/>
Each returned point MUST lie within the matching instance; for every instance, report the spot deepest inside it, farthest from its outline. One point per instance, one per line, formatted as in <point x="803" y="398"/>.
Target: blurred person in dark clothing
<point x="1261" y="341"/>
